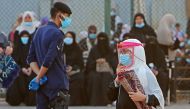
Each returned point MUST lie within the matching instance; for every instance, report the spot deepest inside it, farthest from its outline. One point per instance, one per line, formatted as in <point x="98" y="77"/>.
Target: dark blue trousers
<point x="42" y="101"/>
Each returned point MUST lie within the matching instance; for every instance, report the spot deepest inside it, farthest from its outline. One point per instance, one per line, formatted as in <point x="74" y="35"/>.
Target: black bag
<point x="61" y="101"/>
<point x="112" y="92"/>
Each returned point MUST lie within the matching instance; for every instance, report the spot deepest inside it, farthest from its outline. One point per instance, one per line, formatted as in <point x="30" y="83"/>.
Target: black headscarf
<point x="141" y="33"/>
<point x="22" y="34"/>
<point x="21" y="50"/>
<point x="68" y="48"/>
<point x="103" y="43"/>
<point x="139" y="15"/>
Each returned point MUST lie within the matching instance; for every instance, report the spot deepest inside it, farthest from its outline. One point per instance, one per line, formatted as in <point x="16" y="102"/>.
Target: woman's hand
<point x="1" y="50"/>
<point x="155" y="71"/>
<point x="27" y="71"/>
<point x="9" y="50"/>
<point x="137" y="96"/>
<point x="69" y="69"/>
<point x="100" y="60"/>
<point x="24" y="70"/>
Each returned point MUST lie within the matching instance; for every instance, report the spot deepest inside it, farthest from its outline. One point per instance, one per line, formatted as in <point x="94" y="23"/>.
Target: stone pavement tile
<point x="172" y="106"/>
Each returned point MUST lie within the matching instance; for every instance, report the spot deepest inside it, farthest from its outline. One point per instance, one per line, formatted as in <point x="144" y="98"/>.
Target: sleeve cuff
<point x="31" y="60"/>
<point x="46" y="65"/>
<point x="146" y="99"/>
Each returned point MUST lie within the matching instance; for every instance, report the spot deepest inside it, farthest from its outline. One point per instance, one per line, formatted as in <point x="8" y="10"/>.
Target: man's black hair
<point x="60" y="7"/>
<point x="177" y="25"/>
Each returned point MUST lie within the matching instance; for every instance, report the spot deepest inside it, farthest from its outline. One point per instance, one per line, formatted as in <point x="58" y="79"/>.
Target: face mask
<point x="123" y="31"/>
<point x="188" y="42"/>
<point x="112" y="42"/>
<point x="140" y="25"/>
<point x="66" y="22"/>
<point x="68" y="41"/>
<point x="24" y="40"/>
<point x="188" y="61"/>
<point x="92" y="36"/>
<point x="28" y="24"/>
<point x="178" y="59"/>
<point x="125" y="59"/>
<point x="182" y="44"/>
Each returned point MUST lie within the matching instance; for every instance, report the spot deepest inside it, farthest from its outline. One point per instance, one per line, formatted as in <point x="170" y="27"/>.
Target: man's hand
<point x="137" y="96"/>
<point x="34" y="85"/>
<point x="41" y="73"/>
<point x="34" y="67"/>
<point x="43" y="80"/>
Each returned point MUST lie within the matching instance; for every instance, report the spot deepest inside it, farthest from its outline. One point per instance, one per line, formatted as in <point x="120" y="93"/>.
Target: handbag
<point x="61" y="101"/>
<point x="104" y="67"/>
<point x="8" y="70"/>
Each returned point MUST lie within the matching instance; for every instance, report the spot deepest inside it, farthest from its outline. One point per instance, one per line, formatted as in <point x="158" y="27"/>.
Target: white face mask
<point x="123" y="30"/>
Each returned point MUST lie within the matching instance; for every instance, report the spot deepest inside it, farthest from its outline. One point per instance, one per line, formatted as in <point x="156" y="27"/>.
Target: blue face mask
<point x="68" y="41"/>
<point x="140" y="25"/>
<point x="178" y="59"/>
<point x="66" y="22"/>
<point x="28" y="24"/>
<point x="92" y="36"/>
<point x="188" y="61"/>
<point x="125" y="59"/>
<point x="24" y="40"/>
<point x="112" y="42"/>
<point x="188" y="42"/>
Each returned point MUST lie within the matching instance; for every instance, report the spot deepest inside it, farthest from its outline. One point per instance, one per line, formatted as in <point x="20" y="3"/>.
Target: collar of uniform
<point x="52" y="23"/>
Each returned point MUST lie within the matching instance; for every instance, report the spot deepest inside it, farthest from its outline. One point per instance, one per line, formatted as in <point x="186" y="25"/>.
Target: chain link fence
<point x="11" y="9"/>
<point x="87" y="12"/>
<point x="94" y="12"/>
<point x="154" y="10"/>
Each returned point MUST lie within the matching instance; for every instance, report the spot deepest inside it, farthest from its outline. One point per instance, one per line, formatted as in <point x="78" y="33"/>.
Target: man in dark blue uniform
<point x="45" y="59"/>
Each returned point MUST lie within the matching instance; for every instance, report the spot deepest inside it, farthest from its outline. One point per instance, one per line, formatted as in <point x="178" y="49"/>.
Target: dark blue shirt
<point x="46" y="50"/>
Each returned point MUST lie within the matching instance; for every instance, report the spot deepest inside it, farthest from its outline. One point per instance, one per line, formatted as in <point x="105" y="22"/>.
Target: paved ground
<point x="172" y="106"/>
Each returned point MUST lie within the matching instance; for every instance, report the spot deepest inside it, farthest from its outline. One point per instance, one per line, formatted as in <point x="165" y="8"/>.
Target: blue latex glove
<point x="33" y="85"/>
<point x="43" y="80"/>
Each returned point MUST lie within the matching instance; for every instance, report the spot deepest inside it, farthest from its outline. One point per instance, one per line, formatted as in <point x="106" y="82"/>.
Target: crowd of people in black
<point x="93" y="58"/>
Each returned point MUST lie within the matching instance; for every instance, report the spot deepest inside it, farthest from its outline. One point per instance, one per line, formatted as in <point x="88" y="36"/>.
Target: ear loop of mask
<point x="62" y="18"/>
<point x="138" y="58"/>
